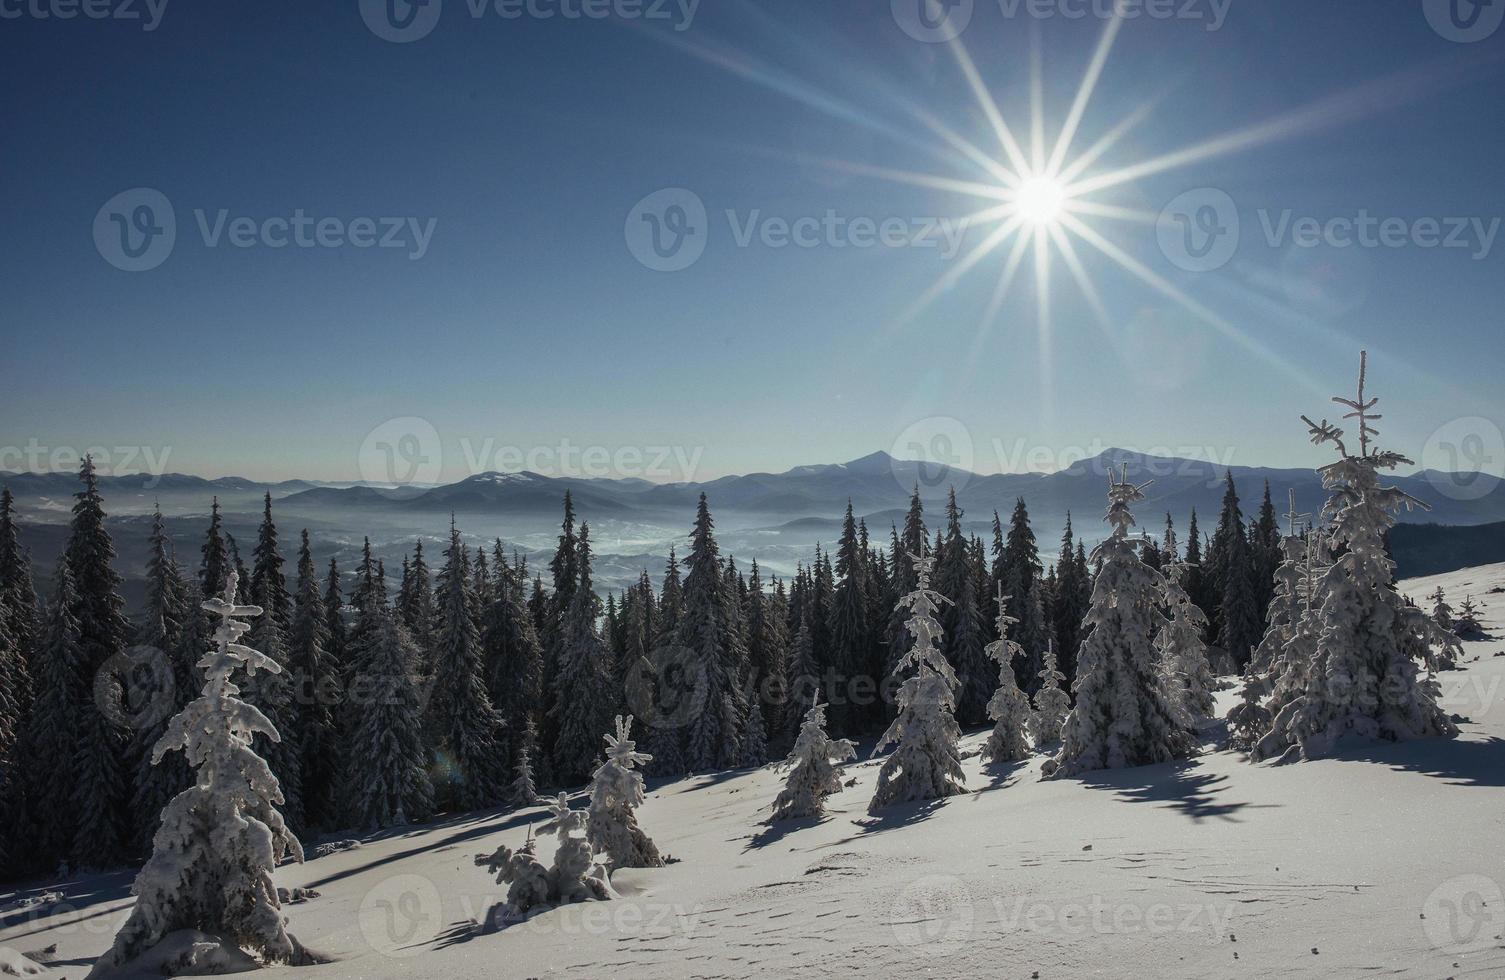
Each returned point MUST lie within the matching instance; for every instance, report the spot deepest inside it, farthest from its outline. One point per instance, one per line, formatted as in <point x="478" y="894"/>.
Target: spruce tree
<point x="616" y="791"/>
<point x="812" y="769"/>
<point x="912" y="541"/>
<point x="1183" y="654"/>
<point x="1021" y="571"/>
<point x="513" y="661"/>
<point x="316" y="685"/>
<point x="100" y="746"/>
<point x="215" y="564"/>
<point x="53" y="725"/>
<point x="1068" y="611"/>
<point x="1124" y="715"/>
<point x="173" y="677"/>
<point x="926" y="763"/>
<point x="703" y="629"/>
<point x="849" y="635"/>
<point x="386" y="779"/>
<point x="1008" y="707"/>
<point x="460" y="721"/>
<point x="220" y="839"/>
<point x="1052" y="703"/>
<point x="417" y="610"/>
<point x="1361" y="675"/>
<point x="582" y="673"/>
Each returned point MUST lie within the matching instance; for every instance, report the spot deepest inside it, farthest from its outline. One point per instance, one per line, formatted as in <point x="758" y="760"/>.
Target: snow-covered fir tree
<point x="1183" y="652"/>
<point x="171" y="686"/>
<point x="52" y="725"/>
<point x="1361" y="678"/>
<point x="10" y="716"/>
<point x="220" y="839"/>
<point x="316" y="688"/>
<point x="1442" y="610"/>
<point x="100" y="765"/>
<point x="754" y="743"/>
<point x="1467" y="626"/>
<point x="1287" y="605"/>
<point x="460" y="721"/>
<point x="812" y="768"/>
<point x="616" y="791"/>
<point x="926" y="764"/>
<point x="705" y="630"/>
<point x="575" y="876"/>
<point x="1009" y="708"/>
<point x="1051" y="702"/>
<point x="1124" y="713"/>
<point x="581" y="683"/>
<point x="523" y="791"/>
<point x="386" y="778"/>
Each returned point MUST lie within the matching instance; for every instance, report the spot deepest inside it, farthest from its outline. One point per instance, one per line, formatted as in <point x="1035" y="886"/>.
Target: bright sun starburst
<point x="1040" y="200"/>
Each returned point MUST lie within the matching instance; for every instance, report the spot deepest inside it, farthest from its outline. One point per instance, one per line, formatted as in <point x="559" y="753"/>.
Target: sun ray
<point x="1036" y="108"/>
<point x="1367" y="99"/>
<point x="956" y="272"/>
<point x="1157" y="282"/>
<point x="1079" y="166"/>
<point x="1084" y="93"/>
<point x="1011" y="146"/>
<point x="1100" y="210"/>
<point x="1073" y="264"/>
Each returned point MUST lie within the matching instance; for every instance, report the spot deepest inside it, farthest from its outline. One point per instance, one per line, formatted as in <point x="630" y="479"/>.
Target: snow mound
<point x="14" y="964"/>
<point x="190" y="953"/>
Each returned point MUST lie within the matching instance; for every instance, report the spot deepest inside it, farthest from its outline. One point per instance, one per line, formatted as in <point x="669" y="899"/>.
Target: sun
<point x="1040" y="200"/>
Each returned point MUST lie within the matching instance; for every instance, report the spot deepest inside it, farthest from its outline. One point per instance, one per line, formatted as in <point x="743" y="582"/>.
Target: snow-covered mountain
<point x="879" y="484"/>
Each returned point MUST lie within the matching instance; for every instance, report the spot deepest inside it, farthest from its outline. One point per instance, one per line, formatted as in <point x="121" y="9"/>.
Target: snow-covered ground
<point x="1388" y="860"/>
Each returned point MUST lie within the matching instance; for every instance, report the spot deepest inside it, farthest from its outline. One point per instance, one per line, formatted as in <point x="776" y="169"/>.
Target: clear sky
<point x="522" y="311"/>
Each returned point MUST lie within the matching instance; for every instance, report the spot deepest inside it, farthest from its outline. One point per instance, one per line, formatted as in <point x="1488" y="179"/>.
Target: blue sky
<point x="524" y="144"/>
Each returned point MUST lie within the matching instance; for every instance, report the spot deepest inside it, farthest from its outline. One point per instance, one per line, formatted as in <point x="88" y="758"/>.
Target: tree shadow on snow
<point x="774" y="832"/>
<point x="468" y="828"/>
<point x="1001" y="775"/>
<point x="1461" y="762"/>
<point x="82" y="898"/>
<point x="1181" y="787"/>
